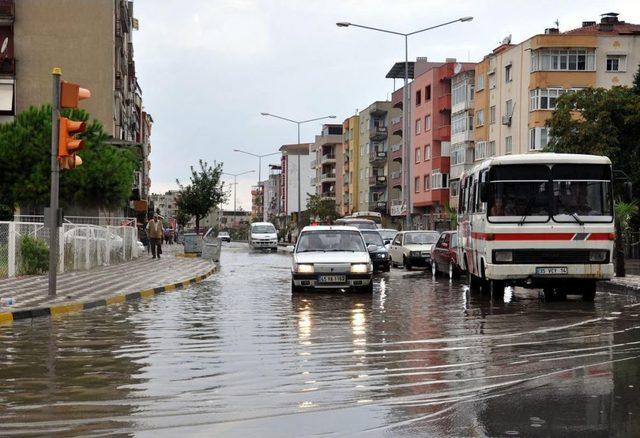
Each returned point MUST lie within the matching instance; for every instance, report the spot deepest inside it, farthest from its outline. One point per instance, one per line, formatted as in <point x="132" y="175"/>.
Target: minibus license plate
<point x="553" y="270"/>
<point x="332" y="279"/>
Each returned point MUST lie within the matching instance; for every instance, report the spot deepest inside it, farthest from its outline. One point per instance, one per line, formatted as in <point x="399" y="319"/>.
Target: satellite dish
<point x="506" y="40"/>
<point x="5" y="44"/>
<point x="457" y="68"/>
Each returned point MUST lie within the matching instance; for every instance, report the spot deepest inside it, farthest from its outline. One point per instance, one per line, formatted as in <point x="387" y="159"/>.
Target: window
<point x="458" y="156"/>
<point x="427" y="122"/>
<point x="507" y="73"/>
<point x="479" y="117"/>
<point x="546" y="98"/>
<point x="461" y="122"/>
<point x="616" y="62"/>
<point x="538" y="138"/>
<point x="484" y="149"/>
<point x="418" y="126"/>
<point x="508" y="108"/>
<point x="479" y="82"/>
<point x="418" y="97"/>
<point x="416" y="184"/>
<point x="563" y="59"/>
<point x="426" y="183"/>
<point x="439" y="180"/>
<point x="454" y="186"/>
<point x="459" y="93"/>
<point x="427" y="152"/>
<point x="508" y="145"/>
<point x="492" y="81"/>
<point x="492" y="115"/>
<point x="417" y="155"/>
<point x="427" y="93"/>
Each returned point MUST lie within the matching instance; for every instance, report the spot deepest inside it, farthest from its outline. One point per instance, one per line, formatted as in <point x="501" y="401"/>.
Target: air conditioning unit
<point x="506" y="120"/>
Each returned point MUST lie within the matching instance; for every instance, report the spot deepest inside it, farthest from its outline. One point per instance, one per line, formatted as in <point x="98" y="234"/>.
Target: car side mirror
<point x="628" y="192"/>
<point x="290" y="248"/>
<point x="445" y="245"/>
<point x="372" y="248"/>
<point x="484" y="191"/>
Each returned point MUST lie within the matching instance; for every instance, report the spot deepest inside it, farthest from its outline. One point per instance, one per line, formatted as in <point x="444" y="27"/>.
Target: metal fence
<point x="632" y="245"/>
<point x="89" y="220"/>
<point x="24" y="247"/>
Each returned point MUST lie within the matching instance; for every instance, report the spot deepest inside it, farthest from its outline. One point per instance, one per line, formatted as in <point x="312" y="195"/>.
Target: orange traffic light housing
<point x="71" y="94"/>
<point x="68" y="144"/>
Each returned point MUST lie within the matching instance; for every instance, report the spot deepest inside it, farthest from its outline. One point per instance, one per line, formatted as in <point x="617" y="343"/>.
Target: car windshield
<point x="420" y="238"/>
<point x="388" y="234"/>
<point x="263" y="229"/>
<point x="372" y="238"/>
<point x="223" y="233"/>
<point x="582" y="193"/>
<point x="330" y="240"/>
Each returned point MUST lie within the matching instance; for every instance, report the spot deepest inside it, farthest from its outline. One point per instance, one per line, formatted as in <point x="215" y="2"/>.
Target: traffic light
<point x="68" y="144"/>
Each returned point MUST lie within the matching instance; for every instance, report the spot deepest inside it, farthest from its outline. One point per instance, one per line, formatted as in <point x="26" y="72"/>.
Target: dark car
<point x="444" y="256"/>
<point x="379" y="256"/>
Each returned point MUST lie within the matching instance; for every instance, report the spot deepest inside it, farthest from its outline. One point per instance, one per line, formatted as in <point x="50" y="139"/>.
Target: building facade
<point x="327" y="163"/>
<point x="166" y="204"/>
<point x="350" y="144"/>
<point x="294" y="157"/>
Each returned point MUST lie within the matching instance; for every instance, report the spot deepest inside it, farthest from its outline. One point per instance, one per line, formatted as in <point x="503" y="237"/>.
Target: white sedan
<point x="412" y="248"/>
<point x="331" y="257"/>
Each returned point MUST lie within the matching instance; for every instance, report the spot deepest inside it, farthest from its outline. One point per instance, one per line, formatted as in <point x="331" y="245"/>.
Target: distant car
<point x="388" y="234"/>
<point x="413" y="248"/>
<point x="359" y="223"/>
<point x="379" y="255"/>
<point x="263" y="235"/>
<point x="331" y="257"/>
<point x="224" y="236"/>
<point x="444" y="255"/>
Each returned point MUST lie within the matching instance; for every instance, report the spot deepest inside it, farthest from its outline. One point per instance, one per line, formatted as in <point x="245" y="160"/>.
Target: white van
<point x="263" y="235"/>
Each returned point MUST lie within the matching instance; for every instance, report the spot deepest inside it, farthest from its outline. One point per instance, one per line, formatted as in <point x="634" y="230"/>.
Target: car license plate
<point x="552" y="270"/>
<point x="332" y="279"/>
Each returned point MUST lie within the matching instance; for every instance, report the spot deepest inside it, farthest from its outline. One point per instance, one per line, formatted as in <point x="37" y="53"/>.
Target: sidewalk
<point x="628" y="283"/>
<point x="143" y="277"/>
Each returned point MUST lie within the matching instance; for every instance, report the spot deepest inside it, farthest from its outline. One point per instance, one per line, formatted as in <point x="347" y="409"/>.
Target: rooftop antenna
<point x="557" y="23"/>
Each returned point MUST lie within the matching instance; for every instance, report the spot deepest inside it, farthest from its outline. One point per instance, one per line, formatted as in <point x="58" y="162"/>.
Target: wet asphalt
<point x="238" y="355"/>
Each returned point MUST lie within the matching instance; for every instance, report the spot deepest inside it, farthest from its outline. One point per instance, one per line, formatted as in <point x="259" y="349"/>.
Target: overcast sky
<point x="207" y="68"/>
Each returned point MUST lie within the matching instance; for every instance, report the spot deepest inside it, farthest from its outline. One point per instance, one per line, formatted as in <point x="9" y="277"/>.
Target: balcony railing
<point x="379" y="206"/>
<point x="328" y="176"/>
<point x="444" y="103"/>
<point x="7" y="10"/>
<point x="396" y="152"/>
<point x="445" y="72"/>
<point x="396" y="179"/>
<point x="346" y="178"/>
<point x="329" y="195"/>
<point x="443" y="133"/>
<point x="329" y="156"/>
<point x="378" y="133"/>
<point x="376" y="156"/>
<point x="378" y="180"/>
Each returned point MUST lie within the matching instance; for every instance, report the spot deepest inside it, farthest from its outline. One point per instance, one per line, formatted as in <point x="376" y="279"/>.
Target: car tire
<point x="434" y="269"/>
<point x="296" y="289"/>
<point x="496" y="288"/>
<point x="589" y="291"/>
<point x="473" y="282"/>
<point x="387" y="268"/>
<point x="405" y="263"/>
<point x="368" y="288"/>
<point x="549" y="294"/>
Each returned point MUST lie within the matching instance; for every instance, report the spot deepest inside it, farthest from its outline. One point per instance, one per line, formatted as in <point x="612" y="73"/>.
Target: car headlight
<point x="359" y="268"/>
<point x="503" y="256"/>
<point x="598" y="256"/>
<point x="304" y="269"/>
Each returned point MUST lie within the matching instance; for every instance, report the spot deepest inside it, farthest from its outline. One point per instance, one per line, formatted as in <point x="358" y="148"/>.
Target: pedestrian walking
<point x="156" y="234"/>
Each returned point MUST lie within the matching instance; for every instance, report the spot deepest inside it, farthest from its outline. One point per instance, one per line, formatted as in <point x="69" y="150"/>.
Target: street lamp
<point x="260" y="156"/>
<point x="235" y="185"/>
<point x="406" y="192"/>
<point x="298" y="122"/>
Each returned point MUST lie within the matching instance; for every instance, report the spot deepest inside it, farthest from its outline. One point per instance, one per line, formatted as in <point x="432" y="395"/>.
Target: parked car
<point x="444" y="255"/>
<point x="331" y="257"/>
<point x="388" y="234"/>
<point x="224" y="236"/>
<point x="263" y="235"/>
<point x="413" y="248"/>
<point x="359" y="223"/>
<point x="379" y="255"/>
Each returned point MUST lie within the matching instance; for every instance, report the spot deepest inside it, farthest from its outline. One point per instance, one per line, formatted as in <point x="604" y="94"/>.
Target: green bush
<point x="34" y="256"/>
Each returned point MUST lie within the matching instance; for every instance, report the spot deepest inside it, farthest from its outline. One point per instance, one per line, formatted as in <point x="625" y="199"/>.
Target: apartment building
<point x="295" y="167"/>
<point x="272" y="189"/>
<point x="350" y="143"/>
<point x="92" y="42"/>
<point x="431" y="141"/>
<point x="165" y="204"/>
<point x="328" y="162"/>
<point x="524" y="81"/>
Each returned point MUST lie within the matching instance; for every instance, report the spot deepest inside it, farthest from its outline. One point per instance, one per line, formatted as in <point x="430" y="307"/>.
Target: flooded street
<point x="237" y="355"/>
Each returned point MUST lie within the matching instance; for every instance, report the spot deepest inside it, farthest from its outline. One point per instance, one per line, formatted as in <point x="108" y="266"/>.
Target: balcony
<point x="396" y="152"/>
<point x="328" y="158"/>
<point x="442" y="133"/>
<point x="445" y="72"/>
<point x="346" y="179"/>
<point x="7" y="12"/>
<point x="378" y="180"/>
<point x="345" y="198"/>
<point x="346" y="158"/>
<point x="8" y="67"/>
<point x="379" y="206"/>
<point x="396" y="179"/>
<point x="378" y="133"/>
<point x="378" y="109"/>
<point x="377" y="157"/>
<point x="328" y="195"/>
<point x="444" y="103"/>
<point x="396" y="126"/>
<point x="328" y="176"/>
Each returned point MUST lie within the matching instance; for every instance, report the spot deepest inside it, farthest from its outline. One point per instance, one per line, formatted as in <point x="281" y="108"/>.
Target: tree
<point x="205" y="191"/>
<point x="182" y="218"/>
<point x="324" y="209"/>
<point x="104" y="179"/>
<point x="636" y="81"/>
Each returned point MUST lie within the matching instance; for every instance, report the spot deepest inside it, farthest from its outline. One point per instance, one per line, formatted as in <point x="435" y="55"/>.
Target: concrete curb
<point x="78" y="306"/>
